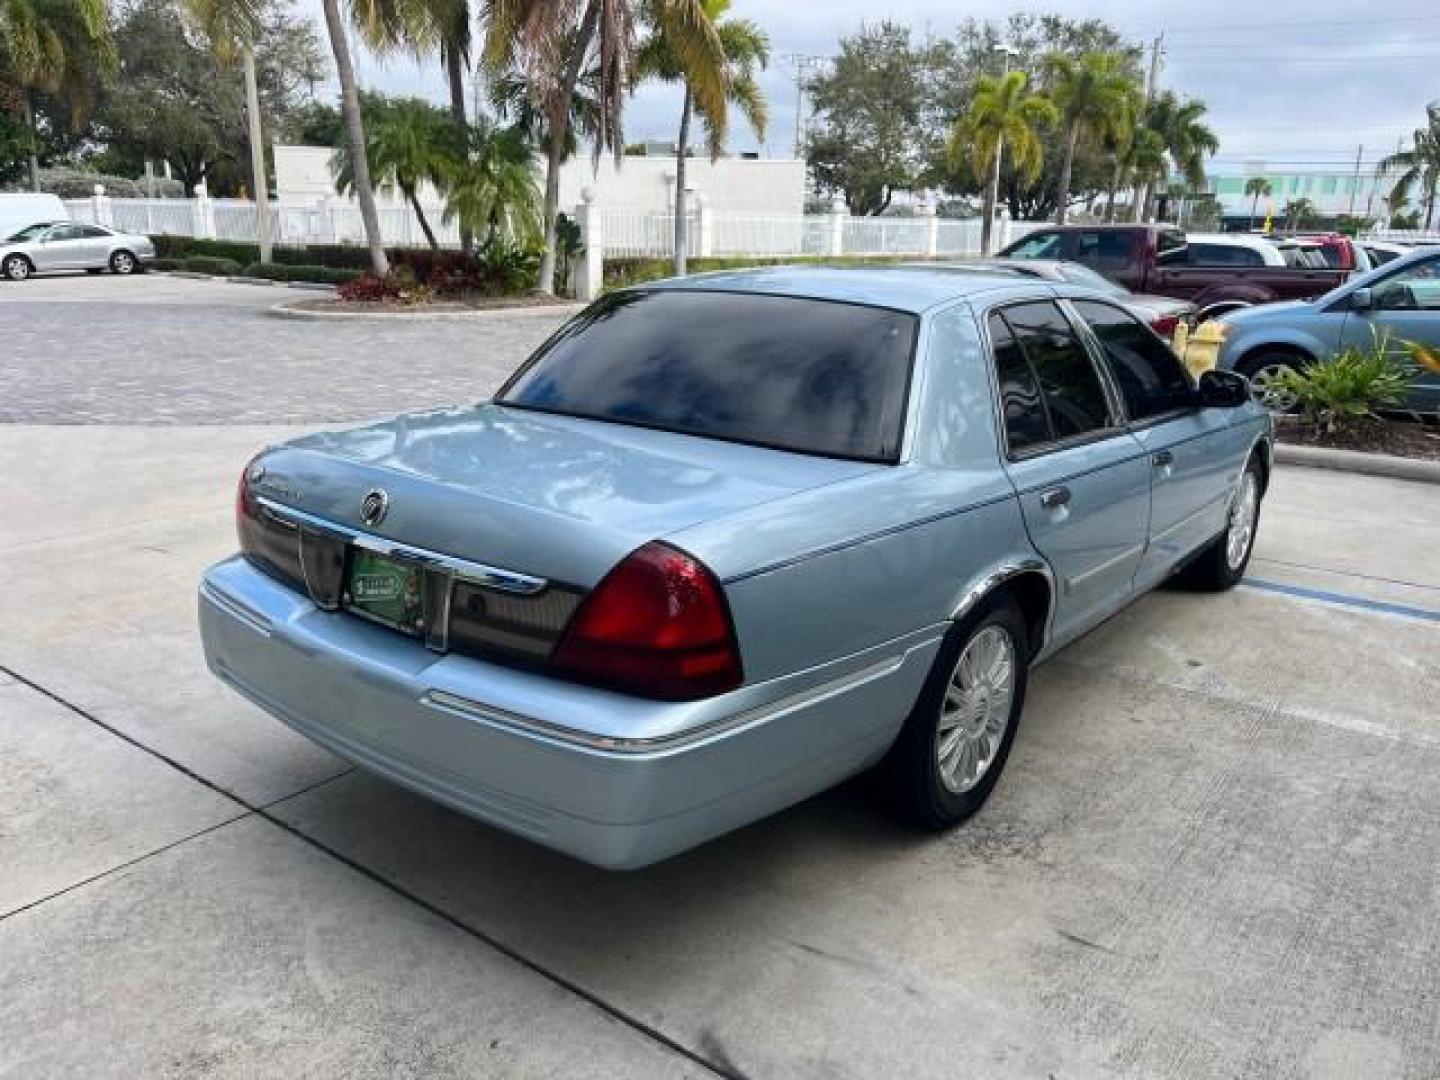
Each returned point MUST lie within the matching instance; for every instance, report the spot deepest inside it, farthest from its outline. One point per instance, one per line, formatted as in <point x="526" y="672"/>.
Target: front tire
<point x="1222" y="563"/>
<point x="1262" y="369"/>
<point x="122" y="262"/>
<point x="17" y="268"/>
<point x="957" y="738"/>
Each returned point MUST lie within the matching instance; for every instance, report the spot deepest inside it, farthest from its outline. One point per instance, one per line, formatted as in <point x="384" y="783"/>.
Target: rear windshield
<point x="814" y="376"/>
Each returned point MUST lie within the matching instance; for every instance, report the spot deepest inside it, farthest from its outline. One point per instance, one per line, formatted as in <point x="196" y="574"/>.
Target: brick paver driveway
<point x="161" y="350"/>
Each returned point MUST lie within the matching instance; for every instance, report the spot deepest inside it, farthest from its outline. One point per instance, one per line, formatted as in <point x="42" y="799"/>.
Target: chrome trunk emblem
<point x="374" y="506"/>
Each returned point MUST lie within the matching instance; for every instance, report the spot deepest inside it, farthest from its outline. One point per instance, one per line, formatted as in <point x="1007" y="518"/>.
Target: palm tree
<point x="1121" y="143"/>
<point x="1002" y="113"/>
<point x="493" y="187"/>
<point x="1421" y="164"/>
<point x="746" y="49"/>
<point x="1093" y="94"/>
<point x="408" y="142"/>
<point x="49" y="45"/>
<point x="1187" y="139"/>
<point x="355" y="133"/>
<point x="1257" y="187"/>
<point x="235" y="26"/>
<point x="1296" y="211"/>
<point x="552" y="41"/>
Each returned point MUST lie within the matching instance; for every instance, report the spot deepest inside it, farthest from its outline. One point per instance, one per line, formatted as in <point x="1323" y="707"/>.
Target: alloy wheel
<point x="1242" y="520"/>
<point x="1265" y="382"/>
<point x="17" y="268"/>
<point x="976" y="710"/>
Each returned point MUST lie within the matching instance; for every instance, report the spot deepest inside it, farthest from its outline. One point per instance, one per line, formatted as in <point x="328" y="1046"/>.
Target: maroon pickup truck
<point x="1157" y="259"/>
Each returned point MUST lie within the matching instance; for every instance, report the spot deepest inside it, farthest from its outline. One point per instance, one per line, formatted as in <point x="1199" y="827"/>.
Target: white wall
<point x="731" y="185"/>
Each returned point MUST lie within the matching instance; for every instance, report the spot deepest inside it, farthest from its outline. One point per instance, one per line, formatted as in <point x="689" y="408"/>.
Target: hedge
<point x="335" y="256"/>
<point x="638" y="270"/>
<point x="210" y="264"/>
<point x="322" y="275"/>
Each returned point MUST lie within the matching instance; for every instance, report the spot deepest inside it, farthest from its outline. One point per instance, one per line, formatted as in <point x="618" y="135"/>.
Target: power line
<point x="1233" y="29"/>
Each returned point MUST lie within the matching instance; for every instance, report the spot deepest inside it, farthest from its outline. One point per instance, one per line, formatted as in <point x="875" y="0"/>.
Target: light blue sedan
<point x="1396" y="303"/>
<point x="727" y="540"/>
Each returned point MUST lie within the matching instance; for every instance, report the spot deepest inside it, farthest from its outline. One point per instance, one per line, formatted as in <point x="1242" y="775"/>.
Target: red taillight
<point x="657" y="625"/>
<point x="242" y="502"/>
<point x="1165" y="325"/>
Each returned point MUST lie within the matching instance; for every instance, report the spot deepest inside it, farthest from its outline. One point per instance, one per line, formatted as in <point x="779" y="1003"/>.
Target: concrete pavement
<point x="1213" y="854"/>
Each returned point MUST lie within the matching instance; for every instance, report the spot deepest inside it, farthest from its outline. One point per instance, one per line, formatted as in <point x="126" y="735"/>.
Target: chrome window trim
<point x="456" y="703"/>
<point x="492" y="577"/>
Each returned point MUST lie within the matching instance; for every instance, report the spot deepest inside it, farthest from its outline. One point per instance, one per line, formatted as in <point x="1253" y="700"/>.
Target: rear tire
<point x="122" y="262"/>
<point x="957" y="738"/>
<point x="1223" y="561"/>
<point x="17" y="268"/>
<point x="1261" y="369"/>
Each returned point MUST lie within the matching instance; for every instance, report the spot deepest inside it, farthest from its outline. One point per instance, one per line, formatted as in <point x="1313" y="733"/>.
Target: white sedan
<point x="72" y="245"/>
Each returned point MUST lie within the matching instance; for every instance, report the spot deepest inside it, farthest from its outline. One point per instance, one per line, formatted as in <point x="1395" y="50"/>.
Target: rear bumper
<point x="609" y="779"/>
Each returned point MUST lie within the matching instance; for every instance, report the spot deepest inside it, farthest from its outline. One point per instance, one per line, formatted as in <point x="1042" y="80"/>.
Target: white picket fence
<point x="626" y="232"/>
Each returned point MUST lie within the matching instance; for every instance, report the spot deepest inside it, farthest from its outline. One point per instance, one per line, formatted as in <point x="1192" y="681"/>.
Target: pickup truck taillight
<point x="1165" y="325"/>
<point x="658" y="626"/>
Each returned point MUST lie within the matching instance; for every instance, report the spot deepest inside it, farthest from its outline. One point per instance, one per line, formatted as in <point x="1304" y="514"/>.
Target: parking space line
<point x="1344" y="599"/>
<point x="615" y="1012"/>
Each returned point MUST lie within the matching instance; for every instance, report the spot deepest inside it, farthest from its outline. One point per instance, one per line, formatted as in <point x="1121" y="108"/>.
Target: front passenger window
<point x="1416" y="288"/>
<point x="1069" y="385"/>
<point x="1152" y="380"/>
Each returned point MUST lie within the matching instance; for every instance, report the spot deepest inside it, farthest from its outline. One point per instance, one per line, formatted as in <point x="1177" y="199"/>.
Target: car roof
<point x="909" y="288"/>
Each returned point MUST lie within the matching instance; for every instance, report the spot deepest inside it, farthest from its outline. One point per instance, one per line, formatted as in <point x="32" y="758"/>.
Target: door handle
<point x="1161" y="458"/>
<point x="1055" y="498"/>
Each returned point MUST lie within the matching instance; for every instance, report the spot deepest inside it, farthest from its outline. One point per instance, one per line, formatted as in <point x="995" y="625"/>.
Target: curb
<point x="288" y="311"/>
<point x="1358" y="461"/>
<point x="241" y="279"/>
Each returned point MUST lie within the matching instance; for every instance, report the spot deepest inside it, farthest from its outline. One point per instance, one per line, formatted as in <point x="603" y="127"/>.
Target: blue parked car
<point x="727" y="540"/>
<point x="1398" y="302"/>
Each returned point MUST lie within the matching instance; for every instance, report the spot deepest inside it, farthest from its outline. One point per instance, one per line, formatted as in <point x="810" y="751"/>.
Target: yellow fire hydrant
<point x="1201" y="349"/>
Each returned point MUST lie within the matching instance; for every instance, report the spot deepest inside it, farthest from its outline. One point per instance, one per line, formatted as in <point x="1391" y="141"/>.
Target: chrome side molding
<point x="492" y="577"/>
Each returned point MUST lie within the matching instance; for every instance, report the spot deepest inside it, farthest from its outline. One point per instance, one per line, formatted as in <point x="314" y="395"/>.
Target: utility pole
<point x="1355" y="180"/>
<point x="1152" y="86"/>
<point x="802" y="63"/>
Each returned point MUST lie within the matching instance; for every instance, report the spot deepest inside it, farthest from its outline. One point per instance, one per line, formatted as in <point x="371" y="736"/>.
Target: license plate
<point x="387" y="591"/>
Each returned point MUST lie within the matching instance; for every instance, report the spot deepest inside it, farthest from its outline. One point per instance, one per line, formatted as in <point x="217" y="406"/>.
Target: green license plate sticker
<point x="387" y="590"/>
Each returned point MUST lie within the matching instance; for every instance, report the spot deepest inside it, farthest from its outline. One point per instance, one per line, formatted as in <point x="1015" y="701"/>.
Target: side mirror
<point x="1223" y="390"/>
<point x="1362" y="300"/>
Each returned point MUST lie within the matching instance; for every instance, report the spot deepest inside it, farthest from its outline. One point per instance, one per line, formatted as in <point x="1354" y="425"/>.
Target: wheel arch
<point x="1305" y="353"/>
<point x="1030" y="583"/>
<point x="7" y="256"/>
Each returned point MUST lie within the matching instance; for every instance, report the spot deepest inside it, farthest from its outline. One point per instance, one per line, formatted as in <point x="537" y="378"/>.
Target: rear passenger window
<point x="1224" y="255"/>
<point x="1069" y="385"/>
<point x="1025" y="423"/>
<point x="1106" y="250"/>
<point x="1151" y="379"/>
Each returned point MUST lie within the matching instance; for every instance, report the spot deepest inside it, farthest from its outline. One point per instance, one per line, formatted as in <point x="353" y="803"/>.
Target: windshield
<point x="814" y="376"/>
<point x="30" y="232"/>
<point x="1076" y="274"/>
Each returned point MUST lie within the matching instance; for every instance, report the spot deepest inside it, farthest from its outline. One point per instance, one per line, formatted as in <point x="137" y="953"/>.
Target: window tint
<point x="1040" y="245"/>
<point x="1025" y="423"/>
<point x="1151" y="380"/>
<point x="90" y="232"/>
<point x="1106" y="250"/>
<point x="1224" y="255"/>
<point x="67" y="232"/>
<point x="1069" y="385"/>
<point x="30" y="232"/>
<point x="797" y="374"/>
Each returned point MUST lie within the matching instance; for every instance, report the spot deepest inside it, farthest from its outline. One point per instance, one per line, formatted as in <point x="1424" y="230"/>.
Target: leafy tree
<point x="870" y="111"/>
<point x="318" y="124"/>
<point x="554" y="41"/>
<point x="170" y="105"/>
<point x="746" y="49"/>
<point x="1296" y="211"/>
<point x="1257" y="187"/>
<point x="1093" y="94"/>
<point x="409" y="142"/>
<point x="1003" y="113"/>
<point x="492" y="189"/>
<point x="1419" y="166"/>
<point x="1186" y="139"/>
<point x="1022" y="43"/>
<point x="53" y="46"/>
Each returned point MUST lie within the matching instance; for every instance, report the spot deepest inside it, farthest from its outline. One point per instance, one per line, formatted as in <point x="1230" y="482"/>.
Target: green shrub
<point x="1350" y="386"/>
<point x="322" y="275"/>
<point x="210" y="264"/>
<point x="164" y="264"/>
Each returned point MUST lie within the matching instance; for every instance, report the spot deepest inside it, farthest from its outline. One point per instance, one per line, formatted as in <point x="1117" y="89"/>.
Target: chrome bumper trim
<point x="441" y="699"/>
<point x="236" y="609"/>
<point x="492" y="577"/>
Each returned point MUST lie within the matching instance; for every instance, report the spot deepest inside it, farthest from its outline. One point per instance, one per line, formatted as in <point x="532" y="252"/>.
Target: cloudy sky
<point x="1287" y="82"/>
